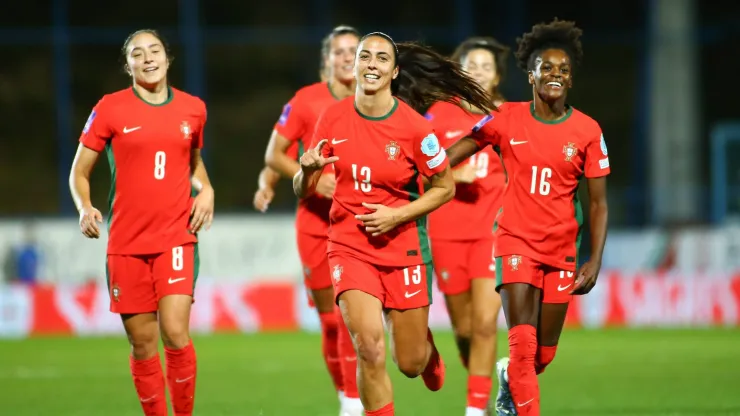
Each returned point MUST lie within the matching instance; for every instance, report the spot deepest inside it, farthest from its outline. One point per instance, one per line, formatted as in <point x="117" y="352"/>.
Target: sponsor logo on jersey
<point x="570" y="150"/>
<point x="515" y="262"/>
<point x="284" y="115"/>
<point x="393" y="149"/>
<point x="430" y="145"/>
<point x="604" y="163"/>
<point x="89" y="122"/>
<point x="603" y="145"/>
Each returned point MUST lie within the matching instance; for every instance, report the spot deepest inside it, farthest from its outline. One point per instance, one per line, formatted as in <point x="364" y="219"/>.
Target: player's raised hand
<point x="326" y="184"/>
<point x="465" y="173"/>
<point x="313" y="160"/>
<point x="586" y="278"/>
<point x="262" y="199"/>
<point x="381" y="220"/>
<point x="201" y="214"/>
<point x="90" y="217"/>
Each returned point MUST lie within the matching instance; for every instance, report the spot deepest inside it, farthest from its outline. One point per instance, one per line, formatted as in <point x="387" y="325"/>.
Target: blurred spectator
<point x="22" y="265"/>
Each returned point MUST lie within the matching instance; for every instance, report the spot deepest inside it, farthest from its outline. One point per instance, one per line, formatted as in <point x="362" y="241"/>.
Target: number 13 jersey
<point x="380" y="162"/>
<point x="149" y="150"/>
<point x="541" y="216"/>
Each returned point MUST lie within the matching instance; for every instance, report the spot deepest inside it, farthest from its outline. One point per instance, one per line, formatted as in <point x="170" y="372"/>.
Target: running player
<point x="380" y="147"/>
<point x="546" y="146"/>
<point x="152" y="135"/>
<point x="268" y="178"/>
<point x="296" y="125"/>
<point x="461" y="231"/>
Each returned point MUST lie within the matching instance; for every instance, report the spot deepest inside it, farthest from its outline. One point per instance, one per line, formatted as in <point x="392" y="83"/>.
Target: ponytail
<point x="425" y="77"/>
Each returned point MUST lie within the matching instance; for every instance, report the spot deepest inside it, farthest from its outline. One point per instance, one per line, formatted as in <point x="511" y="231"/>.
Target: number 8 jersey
<point x="541" y="216"/>
<point x="380" y="162"/>
<point x="149" y="150"/>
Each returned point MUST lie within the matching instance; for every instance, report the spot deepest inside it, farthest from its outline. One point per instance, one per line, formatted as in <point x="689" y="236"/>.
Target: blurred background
<point x="658" y="76"/>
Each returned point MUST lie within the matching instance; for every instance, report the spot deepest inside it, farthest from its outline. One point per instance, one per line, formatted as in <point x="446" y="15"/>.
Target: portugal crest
<point x="337" y="272"/>
<point x="515" y="262"/>
<point x="393" y="149"/>
<point x="570" y="150"/>
<point x="115" y="292"/>
<point x="185" y="129"/>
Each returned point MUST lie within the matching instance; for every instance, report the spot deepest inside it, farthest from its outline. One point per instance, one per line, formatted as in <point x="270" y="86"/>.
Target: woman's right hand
<point x="313" y="161"/>
<point x="90" y="217"/>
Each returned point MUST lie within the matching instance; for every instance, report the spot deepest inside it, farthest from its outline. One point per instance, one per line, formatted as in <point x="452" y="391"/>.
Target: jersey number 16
<point x="544" y="186"/>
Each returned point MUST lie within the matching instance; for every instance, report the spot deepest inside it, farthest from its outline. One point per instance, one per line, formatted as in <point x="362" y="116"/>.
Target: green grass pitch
<point x="604" y="372"/>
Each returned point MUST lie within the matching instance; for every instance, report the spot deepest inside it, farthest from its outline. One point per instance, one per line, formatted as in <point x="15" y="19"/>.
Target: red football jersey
<point x="297" y="123"/>
<point x="471" y="214"/>
<point x="542" y="216"/>
<point x="149" y="151"/>
<point x="380" y="162"/>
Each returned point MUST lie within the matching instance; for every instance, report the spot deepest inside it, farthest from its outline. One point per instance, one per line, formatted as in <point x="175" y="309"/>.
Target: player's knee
<point x="371" y="348"/>
<point x="411" y="361"/>
<point x="175" y="335"/>
<point x="484" y="326"/>
<point x="545" y="355"/>
<point x="143" y="343"/>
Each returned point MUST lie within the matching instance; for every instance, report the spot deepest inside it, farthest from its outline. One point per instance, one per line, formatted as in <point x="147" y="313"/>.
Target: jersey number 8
<point x="363" y="185"/>
<point x="544" y="188"/>
<point x="160" y="158"/>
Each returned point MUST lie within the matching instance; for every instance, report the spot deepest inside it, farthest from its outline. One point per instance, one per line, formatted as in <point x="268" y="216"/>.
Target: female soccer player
<point x="461" y="231"/>
<point x="296" y="125"/>
<point x="378" y="249"/>
<point x="152" y="135"/>
<point x="546" y="147"/>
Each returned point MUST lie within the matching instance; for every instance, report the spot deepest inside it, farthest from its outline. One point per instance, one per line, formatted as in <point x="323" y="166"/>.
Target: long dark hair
<point x="425" y="77"/>
<point x="500" y="54"/>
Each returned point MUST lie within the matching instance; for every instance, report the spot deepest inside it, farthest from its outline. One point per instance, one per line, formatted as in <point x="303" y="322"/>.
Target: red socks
<point x="479" y="391"/>
<point x="386" y="410"/>
<point x="329" y="332"/>
<point x="347" y="358"/>
<point x="545" y="355"/>
<point x="181" y="372"/>
<point x="149" y="383"/>
<point x="522" y="377"/>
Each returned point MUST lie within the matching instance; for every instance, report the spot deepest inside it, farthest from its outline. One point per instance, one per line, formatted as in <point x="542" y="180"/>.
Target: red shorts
<point x="396" y="287"/>
<point x="136" y="283"/>
<point x="556" y="284"/>
<point x="456" y="263"/>
<point x="312" y="251"/>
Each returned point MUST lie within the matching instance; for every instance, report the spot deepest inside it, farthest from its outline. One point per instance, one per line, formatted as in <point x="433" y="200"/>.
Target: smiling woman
<point x="152" y="134"/>
<point x="380" y="145"/>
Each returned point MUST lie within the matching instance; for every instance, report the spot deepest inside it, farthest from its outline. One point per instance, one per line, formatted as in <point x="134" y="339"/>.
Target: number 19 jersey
<point x="149" y="150"/>
<point x="380" y="162"/>
<point x="541" y="215"/>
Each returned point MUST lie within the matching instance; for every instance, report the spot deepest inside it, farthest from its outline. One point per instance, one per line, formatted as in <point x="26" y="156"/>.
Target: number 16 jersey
<point x="380" y="162"/>
<point x="149" y="150"/>
<point x="541" y="216"/>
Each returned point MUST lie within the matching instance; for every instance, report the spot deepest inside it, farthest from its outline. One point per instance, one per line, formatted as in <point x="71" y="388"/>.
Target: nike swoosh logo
<point x="409" y="295"/>
<point x="562" y="288"/>
<point x="171" y="280"/>
<point x="453" y="134"/>
<point x="127" y="130"/>
<point x="514" y="142"/>
<point x="525" y="403"/>
<point x="147" y="400"/>
<point x="183" y="379"/>
<point x="335" y="141"/>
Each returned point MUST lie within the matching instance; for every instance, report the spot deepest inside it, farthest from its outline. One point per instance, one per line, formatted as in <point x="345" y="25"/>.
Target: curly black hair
<point x="558" y="34"/>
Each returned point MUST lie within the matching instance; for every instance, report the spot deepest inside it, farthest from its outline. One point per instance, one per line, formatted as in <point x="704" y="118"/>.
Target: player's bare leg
<point x="413" y="348"/>
<point x="459" y="309"/>
<point x="362" y="314"/>
<point x="486" y="304"/>
<point x="142" y="331"/>
<point x="174" y="322"/>
<point x="521" y="304"/>
<point x="552" y="320"/>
